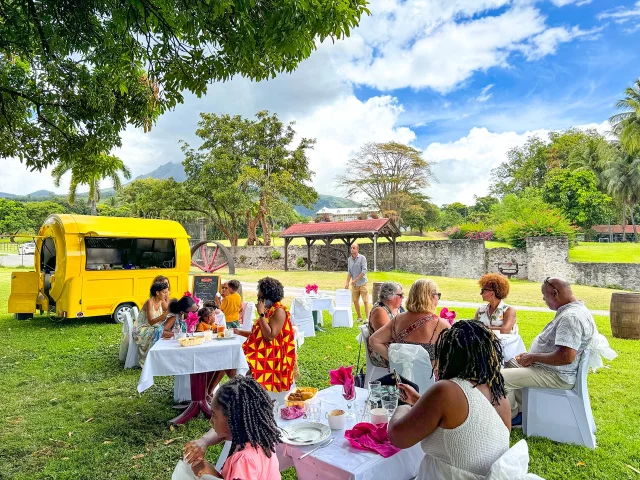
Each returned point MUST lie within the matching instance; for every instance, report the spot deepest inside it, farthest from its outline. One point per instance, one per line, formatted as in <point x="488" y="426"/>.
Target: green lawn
<point x="70" y="411"/>
<point x="455" y="289"/>
<point x="628" y="252"/>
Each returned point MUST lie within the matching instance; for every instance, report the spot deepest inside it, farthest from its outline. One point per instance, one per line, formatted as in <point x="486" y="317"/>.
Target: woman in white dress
<point x="496" y="314"/>
<point x="463" y="420"/>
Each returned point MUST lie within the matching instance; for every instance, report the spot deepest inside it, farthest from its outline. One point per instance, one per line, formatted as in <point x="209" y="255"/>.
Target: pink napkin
<point x="367" y="436"/>
<point x="448" y="315"/>
<point x="343" y="376"/>
<point x="192" y="322"/>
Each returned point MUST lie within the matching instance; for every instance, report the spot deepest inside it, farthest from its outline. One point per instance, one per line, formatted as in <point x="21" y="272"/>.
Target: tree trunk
<point x="252" y="236"/>
<point x="633" y="222"/>
<point x="266" y="229"/>
<point x="624" y="222"/>
<point x="93" y="205"/>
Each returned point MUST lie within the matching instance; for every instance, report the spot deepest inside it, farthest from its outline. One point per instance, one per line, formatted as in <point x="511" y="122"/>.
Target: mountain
<point x="166" y="171"/>
<point x="41" y="194"/>
<point x="328" y="201"/>
<point x="7" y="195"/>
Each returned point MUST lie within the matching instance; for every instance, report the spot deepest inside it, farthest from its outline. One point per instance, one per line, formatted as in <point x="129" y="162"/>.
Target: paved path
<point x="15" y="260"/>
<point x="299" y="291"/>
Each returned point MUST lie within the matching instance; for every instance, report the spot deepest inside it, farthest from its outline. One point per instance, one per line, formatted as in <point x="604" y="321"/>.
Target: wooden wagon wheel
<point x="207" y="264"/>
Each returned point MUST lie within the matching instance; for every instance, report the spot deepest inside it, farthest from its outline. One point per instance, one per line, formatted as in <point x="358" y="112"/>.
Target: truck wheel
<point x="119" y="313"/>
<point x="23" y="316"/>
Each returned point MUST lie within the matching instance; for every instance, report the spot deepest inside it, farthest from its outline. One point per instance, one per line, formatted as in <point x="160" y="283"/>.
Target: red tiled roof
<point x="614" y="229"/>
<point x="337" y="228"/>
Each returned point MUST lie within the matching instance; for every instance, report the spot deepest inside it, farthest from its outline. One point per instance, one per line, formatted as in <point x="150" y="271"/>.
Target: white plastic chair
<point x="372" y="372"/>
<point x="413" y="363"/>
<point x="301" y="315"/>
<point x="128" y="347"/>
<point x="298" y="337"/>
<point x="248" y="315"/>
<point x="342" y="315"/>
<point x="561" y="415"/>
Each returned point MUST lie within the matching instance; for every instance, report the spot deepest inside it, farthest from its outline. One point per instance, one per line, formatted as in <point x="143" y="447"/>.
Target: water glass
<point x="313" y="410"/>
<point x="375" y="394"/>
<point x="276" y="410"/>
<point x="390" y="402"/>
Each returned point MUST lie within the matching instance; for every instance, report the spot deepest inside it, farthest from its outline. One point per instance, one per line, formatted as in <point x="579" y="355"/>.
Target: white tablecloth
<point x="318" y="304"/>
<point x="167" y="357"/>
<point x="340" y="461"/>
<point x="512" y="345"/>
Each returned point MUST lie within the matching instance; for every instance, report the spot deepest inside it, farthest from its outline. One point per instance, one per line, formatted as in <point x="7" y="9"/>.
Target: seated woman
<point x="419" y="325"/>
<point x="496" y="315"/>
<point x="152" y="319"/>
<point x="463" y="420"/>
<point x="270" y="347"/>
<point x="231" y="303"/>
<point x="389" y="304"/>
<point x="241" y="412"/>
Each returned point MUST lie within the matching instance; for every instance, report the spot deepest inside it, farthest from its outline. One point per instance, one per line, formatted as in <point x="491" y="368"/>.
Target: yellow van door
<point x="103" y="291"/>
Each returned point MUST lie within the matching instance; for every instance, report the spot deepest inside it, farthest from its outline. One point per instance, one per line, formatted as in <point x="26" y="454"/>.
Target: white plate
<point x="198" y="334"/>
<point x="312" y="432"/>
<point x="224" y="338"/>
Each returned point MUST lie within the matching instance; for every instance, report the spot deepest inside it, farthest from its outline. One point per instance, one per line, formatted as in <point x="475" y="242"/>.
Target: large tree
<point x="90" y="172"/>
<point x="626" y="125"/>
<point x="387" y="173"/>
<point x="74" y="73"/>
<point x="14" y="218"/>
<point x="244" y="167"/>
<point x="525" y="167"/>
<point x="622" y="177"/>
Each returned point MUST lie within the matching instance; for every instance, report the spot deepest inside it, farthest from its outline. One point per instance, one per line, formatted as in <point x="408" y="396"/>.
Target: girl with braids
<point x="242" y="412"/>
<point x="463" y="421"/>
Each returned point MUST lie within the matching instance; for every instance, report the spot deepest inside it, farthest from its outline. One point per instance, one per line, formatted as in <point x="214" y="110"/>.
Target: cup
<point x="313" y="409"/>
<point x="208" y="335"/>
<point x="180" y="335"/>
<point x="220" y="330"/>
<point x="379" y="415"/>
<point x="336" y="419"/>
<point x="228" y="333"/>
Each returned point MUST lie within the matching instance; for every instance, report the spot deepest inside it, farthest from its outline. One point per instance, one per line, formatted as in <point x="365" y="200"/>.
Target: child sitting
<point x="207" y="319"/>
<point x="242" y="412"/>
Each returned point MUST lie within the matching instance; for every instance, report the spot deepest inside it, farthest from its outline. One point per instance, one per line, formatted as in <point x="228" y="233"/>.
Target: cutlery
<point x="326" y="444"/>
<point x="291" y="437"/>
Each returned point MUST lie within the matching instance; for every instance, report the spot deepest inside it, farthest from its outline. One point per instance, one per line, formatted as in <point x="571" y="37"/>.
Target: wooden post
<point x="394" y="252"/>
<point x="286" y="254"/>
<point x="308" y="253"/>
<point x="375" y="252"/>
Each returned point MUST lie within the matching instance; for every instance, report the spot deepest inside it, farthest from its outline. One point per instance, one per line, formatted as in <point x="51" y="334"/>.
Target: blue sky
<point x="462" y="80"/>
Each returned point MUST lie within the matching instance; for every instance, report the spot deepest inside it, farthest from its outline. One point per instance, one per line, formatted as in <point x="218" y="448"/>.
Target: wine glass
<point x="349" y="394"/>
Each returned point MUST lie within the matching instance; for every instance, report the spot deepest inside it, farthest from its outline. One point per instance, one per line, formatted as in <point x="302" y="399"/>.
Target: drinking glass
<point x="390" y="402"/>
<point x="313" y="410"/>
<point x="349" y="394"/>
<point x="375" y="394"/>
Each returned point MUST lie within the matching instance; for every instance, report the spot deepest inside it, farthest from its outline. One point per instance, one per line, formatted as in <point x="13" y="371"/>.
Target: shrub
<point x="300" y="262"/>
<point x="242" y="258"/>
<point x="275" y="254"/>
<point x="545" y="223"/>
<point x="470" y="231"/>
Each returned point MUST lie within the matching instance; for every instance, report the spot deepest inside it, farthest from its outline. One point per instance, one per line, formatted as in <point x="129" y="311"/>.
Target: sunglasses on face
<point x="401" y="295"/>
<point x="438" y="294"/>
<point x="486" y="290"/>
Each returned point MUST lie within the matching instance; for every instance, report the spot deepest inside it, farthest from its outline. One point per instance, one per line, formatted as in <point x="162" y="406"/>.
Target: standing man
<point x="357" y="277"/>
<point x="555" y="354"/>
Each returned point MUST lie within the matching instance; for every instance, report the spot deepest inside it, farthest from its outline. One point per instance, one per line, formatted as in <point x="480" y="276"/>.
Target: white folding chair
<point x="372" y="372"/>
<point x="301" y="315"/>
<point x="248" y="315"/>
<point x="128" y="347"/>
<point x="298" y="337"/>
<point x="413" y="363"/>
<point x="561" y="415"/>
<point x="342" y="315"/>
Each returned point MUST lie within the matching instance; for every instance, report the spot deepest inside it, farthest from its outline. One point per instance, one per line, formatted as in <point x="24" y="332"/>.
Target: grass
<point x="453" y="289"/>
<point x="627" y="252"/>
<point x="70" y="411"/>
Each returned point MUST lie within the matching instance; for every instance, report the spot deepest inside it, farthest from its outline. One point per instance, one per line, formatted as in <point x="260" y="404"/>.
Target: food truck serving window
<point x="109" y="253"/>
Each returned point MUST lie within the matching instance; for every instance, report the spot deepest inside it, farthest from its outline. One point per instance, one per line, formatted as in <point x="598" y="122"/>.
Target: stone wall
<point x="543" y="257"/>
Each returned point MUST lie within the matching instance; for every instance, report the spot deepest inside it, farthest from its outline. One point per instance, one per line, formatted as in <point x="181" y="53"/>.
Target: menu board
<point x="206" y="286"/>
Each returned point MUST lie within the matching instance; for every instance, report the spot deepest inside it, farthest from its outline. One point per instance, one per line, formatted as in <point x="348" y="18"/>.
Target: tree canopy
<point x="74" y="74"/>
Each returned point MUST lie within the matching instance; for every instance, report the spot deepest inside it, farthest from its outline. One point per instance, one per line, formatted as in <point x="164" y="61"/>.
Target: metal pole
<point x="375" y="252"/>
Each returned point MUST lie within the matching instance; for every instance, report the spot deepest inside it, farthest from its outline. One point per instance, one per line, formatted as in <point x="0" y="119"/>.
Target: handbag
<point x="359" y="376"/>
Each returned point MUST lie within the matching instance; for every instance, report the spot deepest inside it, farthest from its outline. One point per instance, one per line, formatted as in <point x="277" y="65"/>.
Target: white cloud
<point x="621" y="14"/>
<point x="562" y="3"/>
<point x="484" y="94"/>
<point x="547" y="42"/>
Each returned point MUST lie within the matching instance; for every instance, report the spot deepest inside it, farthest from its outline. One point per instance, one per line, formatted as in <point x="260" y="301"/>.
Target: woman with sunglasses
<point x="496" y="314"/>
<point x="388" y="306"/>
<point x="419" y="325"/>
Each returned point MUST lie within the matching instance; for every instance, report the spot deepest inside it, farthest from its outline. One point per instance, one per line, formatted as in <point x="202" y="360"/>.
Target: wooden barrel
<point x="375" y="293"/>
<point x="625" y="315"/>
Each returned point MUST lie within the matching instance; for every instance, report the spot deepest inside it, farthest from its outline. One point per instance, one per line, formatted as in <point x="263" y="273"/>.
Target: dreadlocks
<point x="470" y="351"/>
<point x="249" y="412"/>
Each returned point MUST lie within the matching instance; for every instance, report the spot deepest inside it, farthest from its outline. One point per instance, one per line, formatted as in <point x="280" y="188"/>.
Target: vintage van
<point x="90" y="266"/>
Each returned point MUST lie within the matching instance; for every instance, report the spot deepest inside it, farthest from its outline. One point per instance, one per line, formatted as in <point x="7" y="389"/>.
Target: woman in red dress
<point x="270" y="347"/>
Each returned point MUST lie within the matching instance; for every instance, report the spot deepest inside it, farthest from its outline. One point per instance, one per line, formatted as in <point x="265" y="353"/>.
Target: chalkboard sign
<point x="205" y="287"/>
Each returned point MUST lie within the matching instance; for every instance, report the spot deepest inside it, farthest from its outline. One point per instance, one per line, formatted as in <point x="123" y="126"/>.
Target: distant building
<point x="345" y="214"/>
<point x="602" y="233"/>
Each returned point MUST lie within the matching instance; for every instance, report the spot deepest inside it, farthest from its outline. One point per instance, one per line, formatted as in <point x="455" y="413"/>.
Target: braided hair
<point x="471" y="351"/>
<point x="249" y="412"/>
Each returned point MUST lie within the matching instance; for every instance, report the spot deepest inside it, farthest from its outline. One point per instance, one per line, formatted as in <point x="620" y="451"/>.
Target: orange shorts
<point x="357" y="292"/>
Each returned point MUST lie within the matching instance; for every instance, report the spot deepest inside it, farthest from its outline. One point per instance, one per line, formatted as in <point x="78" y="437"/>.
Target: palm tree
<point x="90" y="172"/>
<point x="626" y="125"/>
<point x="622" y="179"/>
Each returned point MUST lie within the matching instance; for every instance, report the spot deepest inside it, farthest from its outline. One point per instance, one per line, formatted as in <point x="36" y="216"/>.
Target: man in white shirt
<point x="555" y="354"/>
<point x="357" y="279"/>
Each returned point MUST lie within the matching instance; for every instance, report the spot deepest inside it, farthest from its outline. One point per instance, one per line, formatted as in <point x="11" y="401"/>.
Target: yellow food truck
<point x="89" y="266"/>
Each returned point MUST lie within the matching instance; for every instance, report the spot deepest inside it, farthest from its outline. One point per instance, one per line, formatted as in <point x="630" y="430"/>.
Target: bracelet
<point x="262" y="315"/>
